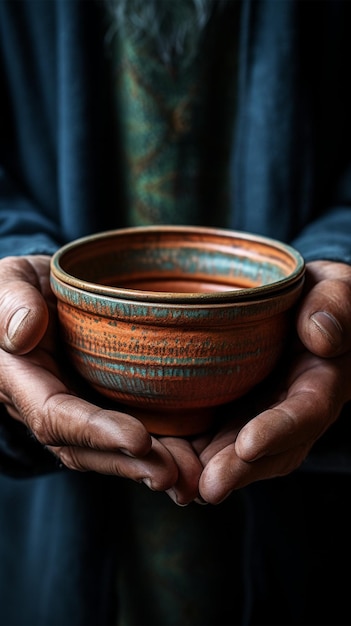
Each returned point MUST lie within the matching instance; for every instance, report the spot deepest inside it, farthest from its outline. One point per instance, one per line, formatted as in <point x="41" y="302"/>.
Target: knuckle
<point x="41" y="429"/>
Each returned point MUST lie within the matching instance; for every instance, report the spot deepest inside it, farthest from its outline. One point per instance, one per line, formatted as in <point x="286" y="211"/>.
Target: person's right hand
<point x="36" y="391"/>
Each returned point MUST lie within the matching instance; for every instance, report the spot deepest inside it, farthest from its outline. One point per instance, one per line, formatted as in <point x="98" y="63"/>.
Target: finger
<point x="312" y="403"/>
<point x="185" y="490"/>
<point x="157" y="470"/>
<point x="226" y="472"/>
<point x="66" y="420"/>
<point x="226" y="435"/>
<point x="23" y="309"/>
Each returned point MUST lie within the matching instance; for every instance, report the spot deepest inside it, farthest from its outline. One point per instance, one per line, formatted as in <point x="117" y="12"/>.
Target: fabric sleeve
<point x="24" y="229"/>
<point x="329" y="236"/>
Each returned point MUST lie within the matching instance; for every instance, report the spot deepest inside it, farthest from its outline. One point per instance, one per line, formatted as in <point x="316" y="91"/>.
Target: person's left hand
<point x="274" y="438"/>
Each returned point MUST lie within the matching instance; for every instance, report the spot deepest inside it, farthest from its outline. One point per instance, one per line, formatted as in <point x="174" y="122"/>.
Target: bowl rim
<point x="235" y="295"/>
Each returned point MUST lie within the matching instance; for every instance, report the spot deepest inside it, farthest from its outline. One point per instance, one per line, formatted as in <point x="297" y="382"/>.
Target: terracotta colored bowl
<point x="171" y="322"/>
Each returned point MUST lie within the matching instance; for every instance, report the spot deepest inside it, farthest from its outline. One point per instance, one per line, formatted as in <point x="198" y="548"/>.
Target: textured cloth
<point x="176" y="132"/>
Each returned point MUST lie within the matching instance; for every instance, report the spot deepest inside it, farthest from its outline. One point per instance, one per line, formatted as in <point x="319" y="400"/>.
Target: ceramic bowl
<point x="171" y="322"/>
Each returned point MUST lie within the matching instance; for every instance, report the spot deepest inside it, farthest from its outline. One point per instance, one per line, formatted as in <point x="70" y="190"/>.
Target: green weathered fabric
<point x="176" y="144"/>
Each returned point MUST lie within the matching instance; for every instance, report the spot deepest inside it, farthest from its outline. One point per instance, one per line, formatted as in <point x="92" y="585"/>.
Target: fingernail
<point x="329" y="326"/>
<point x="16" y="322"/>
<point x="172" y="494"/>
<point x="201" y="501"/>
<point x="147" y="482"/>
<point x="127" y="453"/>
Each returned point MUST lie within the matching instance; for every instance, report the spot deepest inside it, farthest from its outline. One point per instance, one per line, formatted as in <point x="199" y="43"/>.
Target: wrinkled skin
<point x="259" y="438"/>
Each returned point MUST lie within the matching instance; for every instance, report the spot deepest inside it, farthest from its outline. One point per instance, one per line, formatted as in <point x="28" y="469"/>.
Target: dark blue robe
<point x="74" y="547"/>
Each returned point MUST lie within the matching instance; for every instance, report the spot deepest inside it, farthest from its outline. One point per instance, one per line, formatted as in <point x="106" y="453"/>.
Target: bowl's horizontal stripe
<point x="118" y="360"/>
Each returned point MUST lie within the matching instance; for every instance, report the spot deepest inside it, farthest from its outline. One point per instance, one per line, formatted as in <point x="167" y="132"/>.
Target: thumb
<point x="324" y="318"/>
<point x="23" y="310"/>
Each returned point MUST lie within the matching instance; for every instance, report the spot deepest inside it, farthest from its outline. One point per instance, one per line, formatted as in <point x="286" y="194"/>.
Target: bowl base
<point x="175" y="422"/>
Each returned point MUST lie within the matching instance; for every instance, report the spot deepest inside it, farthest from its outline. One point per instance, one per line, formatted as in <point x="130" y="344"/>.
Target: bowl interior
<point x="181" y="262"/>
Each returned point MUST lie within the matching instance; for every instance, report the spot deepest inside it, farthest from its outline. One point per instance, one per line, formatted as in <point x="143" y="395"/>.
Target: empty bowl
<point x="170" y="322"/>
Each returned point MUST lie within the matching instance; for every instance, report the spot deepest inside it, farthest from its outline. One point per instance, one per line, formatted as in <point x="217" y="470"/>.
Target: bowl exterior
<point x="170" y="365"/>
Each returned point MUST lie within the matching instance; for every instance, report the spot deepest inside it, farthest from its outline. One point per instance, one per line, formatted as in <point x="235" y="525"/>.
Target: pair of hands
<point x="263" y="437"/>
